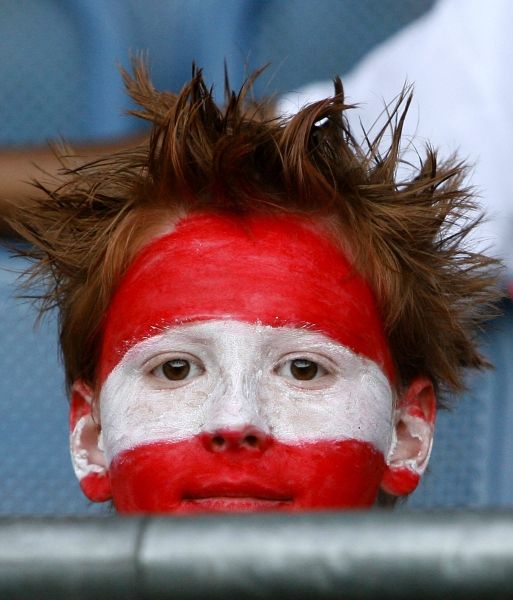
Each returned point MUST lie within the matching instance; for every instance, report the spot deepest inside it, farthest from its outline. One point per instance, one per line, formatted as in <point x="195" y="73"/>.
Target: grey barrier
<point x="376" y="554"/>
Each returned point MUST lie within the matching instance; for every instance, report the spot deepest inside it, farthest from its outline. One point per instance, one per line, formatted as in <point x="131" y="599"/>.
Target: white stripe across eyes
<point x="239" y="380"/>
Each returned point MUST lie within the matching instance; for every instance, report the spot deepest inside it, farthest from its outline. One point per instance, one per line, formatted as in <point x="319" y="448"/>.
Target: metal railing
<point x="377" y="554"/>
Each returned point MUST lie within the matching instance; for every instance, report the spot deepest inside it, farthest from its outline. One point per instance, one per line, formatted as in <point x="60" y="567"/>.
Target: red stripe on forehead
<point x="274" y="270"/>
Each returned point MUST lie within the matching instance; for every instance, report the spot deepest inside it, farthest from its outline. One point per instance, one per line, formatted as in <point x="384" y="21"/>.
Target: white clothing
<point x="459" y="56"/>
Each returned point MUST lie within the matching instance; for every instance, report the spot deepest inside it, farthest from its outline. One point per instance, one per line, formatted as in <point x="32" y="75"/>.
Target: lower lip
<point x="230" y="504"/>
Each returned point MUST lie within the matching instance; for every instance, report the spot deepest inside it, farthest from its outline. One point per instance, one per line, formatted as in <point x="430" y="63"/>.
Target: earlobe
<point x="411" y="448"/>
<point x="85" y="445"/>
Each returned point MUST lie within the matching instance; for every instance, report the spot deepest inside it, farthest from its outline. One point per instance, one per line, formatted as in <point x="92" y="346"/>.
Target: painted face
<point x="243" y="367"/>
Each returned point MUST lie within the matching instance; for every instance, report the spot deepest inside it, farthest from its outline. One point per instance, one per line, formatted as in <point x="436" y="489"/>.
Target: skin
<point x="20" y="167"/>
<point x="244" y="367"/>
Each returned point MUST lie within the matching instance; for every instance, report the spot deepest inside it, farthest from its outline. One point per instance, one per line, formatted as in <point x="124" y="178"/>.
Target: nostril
<point x="251" y="441"/>
<point x="218" y="442"/>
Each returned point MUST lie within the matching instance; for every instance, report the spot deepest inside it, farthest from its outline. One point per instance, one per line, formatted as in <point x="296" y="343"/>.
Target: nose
<point x="233" y="440"/>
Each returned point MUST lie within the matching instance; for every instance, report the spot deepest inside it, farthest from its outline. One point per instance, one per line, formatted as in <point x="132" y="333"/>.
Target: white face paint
<point x="243" y="374"/>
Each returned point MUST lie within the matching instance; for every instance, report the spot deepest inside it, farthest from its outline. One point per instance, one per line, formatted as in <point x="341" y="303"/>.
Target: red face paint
<point x="185" y="478"/>
<point x="272" y="270"/>
<point x="275" y="270"/>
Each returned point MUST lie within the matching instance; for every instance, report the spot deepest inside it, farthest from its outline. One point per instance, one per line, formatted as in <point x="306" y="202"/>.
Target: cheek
<point x="184" y="477"/>
<point x="133" y="413"/>
<point x="359" y="407"/>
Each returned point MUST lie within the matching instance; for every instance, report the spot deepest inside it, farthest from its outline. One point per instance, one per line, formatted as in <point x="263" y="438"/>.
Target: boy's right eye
<point x="177" y="369"/>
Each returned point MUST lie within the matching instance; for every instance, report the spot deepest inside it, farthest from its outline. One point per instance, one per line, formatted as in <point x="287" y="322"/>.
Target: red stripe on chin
<point x="184" y="477"/>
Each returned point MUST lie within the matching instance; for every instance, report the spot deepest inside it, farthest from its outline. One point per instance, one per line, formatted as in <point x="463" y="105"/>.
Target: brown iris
<point x="176" y="369"/>
<point x="303" y="369"/>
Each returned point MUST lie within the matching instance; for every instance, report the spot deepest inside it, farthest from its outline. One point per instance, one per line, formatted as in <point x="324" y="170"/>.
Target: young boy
<point x="255" y="313"/>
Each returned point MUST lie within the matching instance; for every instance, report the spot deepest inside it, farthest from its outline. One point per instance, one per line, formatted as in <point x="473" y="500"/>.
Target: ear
<point x="85" y="445"/>
<point x="413" y="438"/>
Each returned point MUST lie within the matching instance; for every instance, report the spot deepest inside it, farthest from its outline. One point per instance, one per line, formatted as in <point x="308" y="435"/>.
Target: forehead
<point x="274" y="270"/>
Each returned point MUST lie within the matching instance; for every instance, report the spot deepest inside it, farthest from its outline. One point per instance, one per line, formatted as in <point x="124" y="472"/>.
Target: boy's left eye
<point x="301" y="369"/>
<point x="176" y="369"/>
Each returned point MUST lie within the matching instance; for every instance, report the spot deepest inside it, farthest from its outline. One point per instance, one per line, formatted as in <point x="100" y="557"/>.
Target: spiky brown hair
<point x="405" y="237"/>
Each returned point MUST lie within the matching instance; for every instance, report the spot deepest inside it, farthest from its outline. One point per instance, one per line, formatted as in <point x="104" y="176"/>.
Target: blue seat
<point x="35" y="469"/>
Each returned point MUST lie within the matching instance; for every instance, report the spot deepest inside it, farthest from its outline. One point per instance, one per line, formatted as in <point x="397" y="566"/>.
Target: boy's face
<point x="244" y="367"/>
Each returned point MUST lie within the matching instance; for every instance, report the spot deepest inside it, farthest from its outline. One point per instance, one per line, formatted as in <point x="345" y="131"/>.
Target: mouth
<point x="235" y="500"/>
<point x="233" y="504"/>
